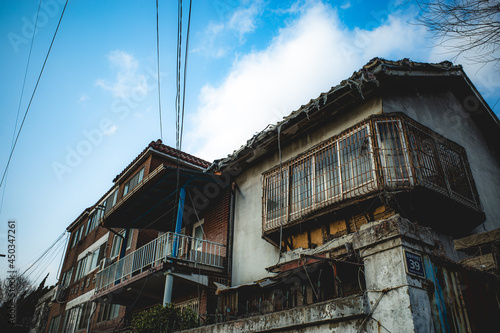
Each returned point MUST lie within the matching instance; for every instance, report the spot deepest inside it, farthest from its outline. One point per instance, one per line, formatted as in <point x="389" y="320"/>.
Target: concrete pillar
<point x="398" y="301"/>
<point x="169" y="284"/>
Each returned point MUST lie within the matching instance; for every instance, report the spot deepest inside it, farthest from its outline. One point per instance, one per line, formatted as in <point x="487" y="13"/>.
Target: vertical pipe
<point x="169" y="283"/>
<point x="178" y="223"/>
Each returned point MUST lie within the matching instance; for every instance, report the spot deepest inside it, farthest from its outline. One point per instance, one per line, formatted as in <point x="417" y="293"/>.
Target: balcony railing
<point x="193" y="304"/>
<point x="167" y="246"/>
<point x="388" y="152"/>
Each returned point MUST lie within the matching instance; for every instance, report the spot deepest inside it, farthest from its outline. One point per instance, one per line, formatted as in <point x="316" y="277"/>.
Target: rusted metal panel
<point x="462" y="300"/>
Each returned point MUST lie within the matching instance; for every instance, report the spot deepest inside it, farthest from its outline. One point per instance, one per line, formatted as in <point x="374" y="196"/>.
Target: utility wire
<point x="44" y="253"/>
<point x="158" y="67"/>
<point x="185" y="74"/>
<point x="22" y="94"/>
<point x="33" y="94"/>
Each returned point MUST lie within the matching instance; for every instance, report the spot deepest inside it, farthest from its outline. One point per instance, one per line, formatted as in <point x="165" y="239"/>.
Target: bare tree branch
<point x="465" y="27"/>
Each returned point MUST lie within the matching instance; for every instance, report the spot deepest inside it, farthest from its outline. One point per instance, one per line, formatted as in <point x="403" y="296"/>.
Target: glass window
<point x="77" y="235"/>
<point x="108" y="312"/>
<point x="71" y="319"/>
<point x="276" y="195"/>
<point x="66" y="278"/>
<point x="81" y="268"/>
<point x="110" y="202"/>
<point x="301" y="185"/>
<point x="355" y="160"/>
<point x="393" y="152"/>
<point x="54" y="324"/>
<point x="84" y="316"/>
<point x="335" y="170"/>
<point x="327" y="174"/>
<point x="136" y="179"/>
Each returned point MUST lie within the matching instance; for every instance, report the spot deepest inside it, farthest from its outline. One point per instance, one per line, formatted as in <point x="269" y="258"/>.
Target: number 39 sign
<point x="414" y="264"/>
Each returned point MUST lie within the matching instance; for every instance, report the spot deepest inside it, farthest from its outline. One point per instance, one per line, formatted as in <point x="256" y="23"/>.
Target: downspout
<point x="169" y="278"/>
<point x="230" y="232"/>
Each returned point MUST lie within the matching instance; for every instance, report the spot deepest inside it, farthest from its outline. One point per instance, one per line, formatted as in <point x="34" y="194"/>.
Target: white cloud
<point x="111" y="130"/>
<point x="243" y="20"/>
<point x="128" y="79"/>
<point x="308" y="56"/>
<point x="346" y="5"/>
<point x="220" y="37"/>
<point x="83" y="97"/>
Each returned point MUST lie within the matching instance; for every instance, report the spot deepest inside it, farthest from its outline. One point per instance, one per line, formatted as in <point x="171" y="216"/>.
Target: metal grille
<point x="384" y="152"/>
<point x="337" y="169"/>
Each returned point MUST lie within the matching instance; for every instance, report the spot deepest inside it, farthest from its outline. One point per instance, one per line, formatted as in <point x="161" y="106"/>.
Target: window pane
<point x="276" y="190"/>
<point x="425" y="159"/>
<point x="54" y="324"/>
<point x="455" y="173"/>
<point x="301" y="185"/>
<point x="327" y="174"/>
<point x="356" y="160"/>
<point x="392" y="154"/>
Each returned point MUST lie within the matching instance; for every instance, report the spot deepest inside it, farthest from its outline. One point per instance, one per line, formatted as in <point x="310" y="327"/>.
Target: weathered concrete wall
<point x="251" y="253"/>
<point x="445" y="114"/>
<point x="340" y="315"/>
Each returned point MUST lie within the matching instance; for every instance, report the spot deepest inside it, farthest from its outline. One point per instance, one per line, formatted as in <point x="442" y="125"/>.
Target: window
<point x="393" y="152"/>
<point x="110" y="201"/>
<point x="93" y="221"/>
<point x="96" y="257"/>
<point x="108" y="312"/>
<point x="136" y="179"/>
<point x="54" y="324"/>
<point x="77" y="235"/>
<point x="66" y="278"/>
<point x="117" y="243"/>
<point x="84" y="315"/>
<point x="71" y="319"/>
<point x="198" y="234"/>
<point x="81" y="266"/>
<point x="336" y="169"/>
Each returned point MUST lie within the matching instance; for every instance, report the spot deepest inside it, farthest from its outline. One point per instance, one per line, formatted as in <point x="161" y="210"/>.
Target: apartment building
<point x="125" y="250"/>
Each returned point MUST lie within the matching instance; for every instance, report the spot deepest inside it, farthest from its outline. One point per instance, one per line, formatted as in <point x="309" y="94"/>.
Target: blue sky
<point x="96" y="107"/>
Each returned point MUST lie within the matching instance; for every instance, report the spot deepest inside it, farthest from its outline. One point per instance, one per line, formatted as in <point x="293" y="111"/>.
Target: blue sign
<point x="414" y="264"/>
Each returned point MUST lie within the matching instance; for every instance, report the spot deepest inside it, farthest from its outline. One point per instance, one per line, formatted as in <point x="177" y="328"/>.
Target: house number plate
<point x="414" y="264"/>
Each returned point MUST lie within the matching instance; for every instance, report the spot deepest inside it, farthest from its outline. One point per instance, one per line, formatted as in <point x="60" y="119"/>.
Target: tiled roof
<point x="361" y="81"/>
<point x="175" y="153"/>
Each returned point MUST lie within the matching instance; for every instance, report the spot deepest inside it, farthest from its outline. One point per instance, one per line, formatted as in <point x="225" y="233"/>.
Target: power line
<point x="158" y="67"/>
<point x="33" y="94"/>
<point x="22" y="93"/>
<point x="185" y="74"/>
<point x="44" y="253"/>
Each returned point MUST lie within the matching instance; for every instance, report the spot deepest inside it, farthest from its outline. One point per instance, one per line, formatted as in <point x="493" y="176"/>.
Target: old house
<point x="346" y="211"/>
<point x="134" y="248"/>
<point x="357" y="212"/>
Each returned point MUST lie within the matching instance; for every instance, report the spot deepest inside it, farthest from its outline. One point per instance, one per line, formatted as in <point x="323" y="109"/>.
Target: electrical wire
<point x="22" y="94"/>
<point x="44" y="253"/>
<point x="158" y="67"/>
<point x="185" y="75"/>
<point x="33" y="94"/>
<point x="43" y="264"/>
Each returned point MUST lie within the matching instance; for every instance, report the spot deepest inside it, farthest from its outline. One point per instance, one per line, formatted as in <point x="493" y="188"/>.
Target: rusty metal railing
<point x="383" y="152"/>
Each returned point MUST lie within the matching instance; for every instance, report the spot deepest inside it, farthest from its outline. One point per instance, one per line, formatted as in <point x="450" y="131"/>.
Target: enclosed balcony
<point x="384" y="154"/>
